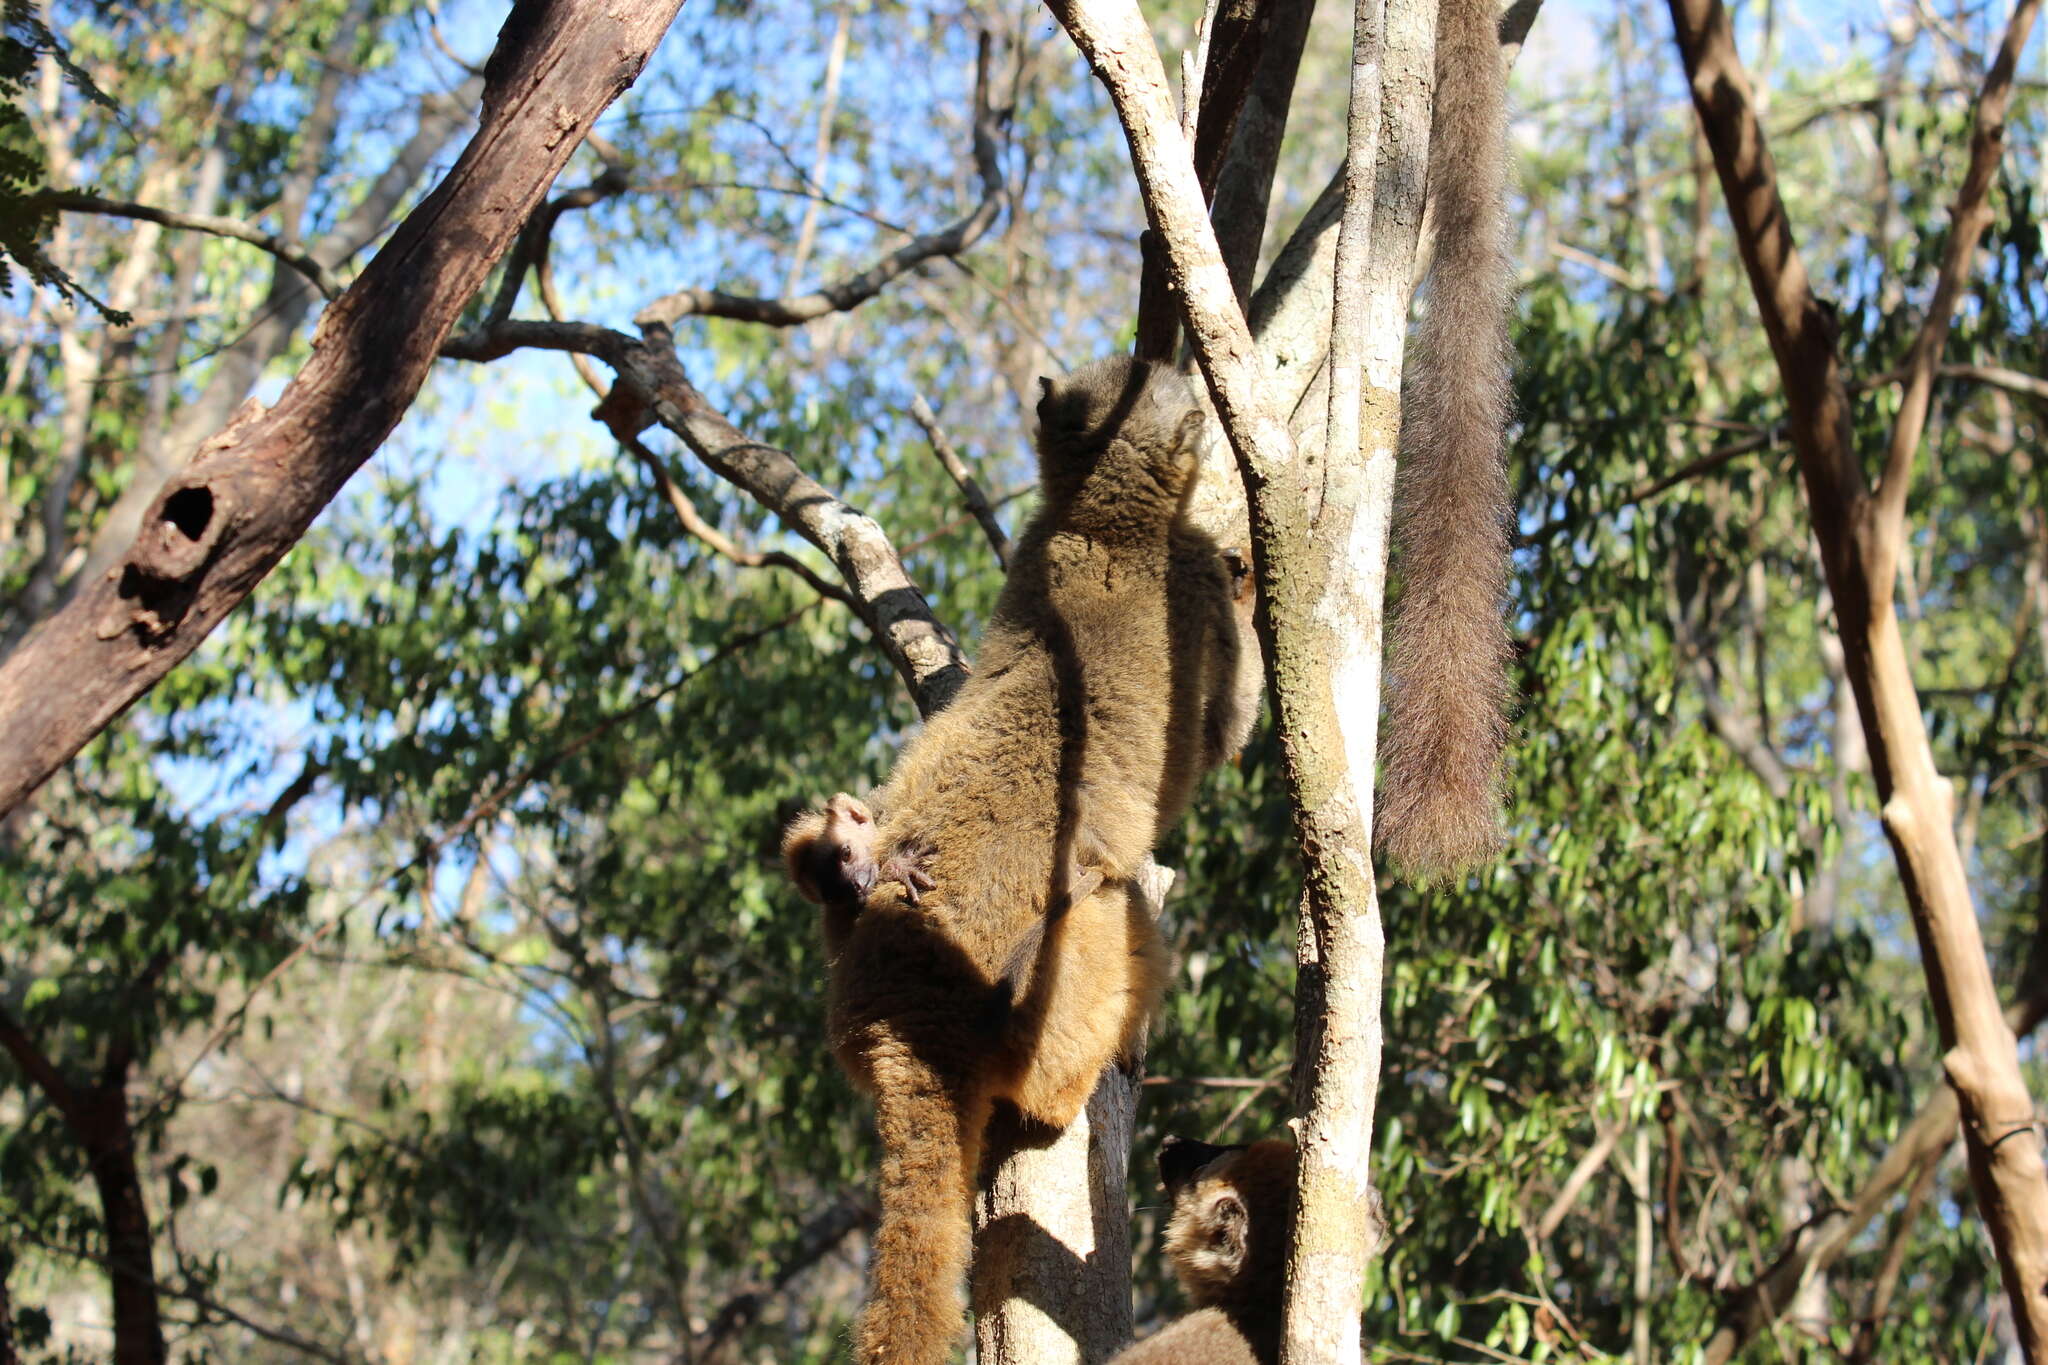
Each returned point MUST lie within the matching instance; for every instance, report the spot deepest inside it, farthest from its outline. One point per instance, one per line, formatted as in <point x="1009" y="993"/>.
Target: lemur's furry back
<point x="1447" y="648"/>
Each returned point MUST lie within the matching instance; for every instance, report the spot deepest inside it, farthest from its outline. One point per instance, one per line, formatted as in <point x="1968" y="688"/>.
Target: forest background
<point x="421" y="943"/>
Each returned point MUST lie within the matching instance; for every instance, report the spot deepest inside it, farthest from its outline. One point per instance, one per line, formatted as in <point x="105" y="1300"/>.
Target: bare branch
<point x="693" y="521"/>
<point x="858" y="289"/>
<point x="75" y="201"/>
<point x="1244" y="187"/>
<point x="813" y="1243"/>
<point x="924" y="651"/>
<point x="531" y="250"/>
<point x="1865" y="1343"/>
<point x="207" y="1305"/>
<point x="1575" y="1183"/>
<point x="970" y="488"/>
<point x="14" y="1040"/>
<point x="2012" y="381"/>
<point x="1859" y="539"/>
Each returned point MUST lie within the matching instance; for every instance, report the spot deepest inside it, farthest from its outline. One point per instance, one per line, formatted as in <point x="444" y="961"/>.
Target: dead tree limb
<point x="654" y="388"/>
<point x="220" y="524"/>
<point x="971" y="491"/>
<point x="1860" y="531"/>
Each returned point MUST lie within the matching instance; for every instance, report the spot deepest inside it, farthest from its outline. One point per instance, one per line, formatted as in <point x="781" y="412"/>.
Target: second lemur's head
<point x="1118" y="436"/>
<point x="1233" y="1216"/>
<point x="1233" y="1213"/>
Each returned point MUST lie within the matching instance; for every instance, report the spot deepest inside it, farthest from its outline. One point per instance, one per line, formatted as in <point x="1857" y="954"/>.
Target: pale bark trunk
<point x="1341" y="947"/>
<point x="1321" y="554"/>
<point x="1052" y="1228"/>
<point x="1861" y="531"/>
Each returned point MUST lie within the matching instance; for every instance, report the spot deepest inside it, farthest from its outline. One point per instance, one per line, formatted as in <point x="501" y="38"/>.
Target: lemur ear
<point x="1044" y="388"/>
<point x="1229" y="1220"/>
<point x="1180" y="1158"/>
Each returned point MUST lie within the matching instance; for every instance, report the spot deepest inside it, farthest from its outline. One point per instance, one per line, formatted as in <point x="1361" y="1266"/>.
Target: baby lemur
<point x="1233" y="1216"/>
<point x="1110" y="677"/>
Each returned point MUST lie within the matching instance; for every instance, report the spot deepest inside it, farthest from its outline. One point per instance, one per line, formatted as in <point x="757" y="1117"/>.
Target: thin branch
<point x="1968" y="218"/>
<point x="530" y="251"/>
<point x="1575" y="1183"/>
<point x="14" y="1040"/>
<point x="857" y="289"/>
<point x="828" y="106"/>
<point x="207" y="1305"/>
<point x="970" y="488"/>
<point x="1865" y="1343"/>
<point x="654" y="388"/>
<point x="1859" y="537"/>
<point x="74" y="201"/>
<point x="2012" y="381"/>
<point x="693" y="522"/>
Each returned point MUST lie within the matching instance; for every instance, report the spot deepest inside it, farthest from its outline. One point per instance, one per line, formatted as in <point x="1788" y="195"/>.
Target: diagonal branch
<point x="813" y="1243"/>
<point x="1968" y="218"/>
<point x="16" y="1043"/>
<point x="963" y="478"/>
<point x="654" y="388"/>
<point x="247" y="496"/>
<point x="76" y="201"/>
<point x="1859" y="537"/>
<point x="858" y="289"/>
<point x="693" y="522"/>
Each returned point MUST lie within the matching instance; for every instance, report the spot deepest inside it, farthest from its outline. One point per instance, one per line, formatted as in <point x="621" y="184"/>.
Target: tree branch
<point x="14" y="1040"/>
<point x="693" y="522"/>
<point x="249" y="493"/>
<point x="963" y="478"/>
<point x="76" y="201"/>
<point x="924" y="651"/>
<point x="813" y="1243"/>
<point x="858" y="289"/>
<point x="1859" y="538"/>
<point x="1968" y="218"/>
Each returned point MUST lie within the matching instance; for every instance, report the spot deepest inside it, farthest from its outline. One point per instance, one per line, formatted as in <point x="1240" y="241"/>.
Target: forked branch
<point x="1859" y="534"/>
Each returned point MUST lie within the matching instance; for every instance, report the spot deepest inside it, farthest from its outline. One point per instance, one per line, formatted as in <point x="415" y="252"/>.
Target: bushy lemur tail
<point x="931" y="1143"/>
<point x="1447" y="650"/>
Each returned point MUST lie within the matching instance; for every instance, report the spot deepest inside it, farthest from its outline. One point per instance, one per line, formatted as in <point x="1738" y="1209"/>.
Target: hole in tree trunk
<point x="190" y="509"/>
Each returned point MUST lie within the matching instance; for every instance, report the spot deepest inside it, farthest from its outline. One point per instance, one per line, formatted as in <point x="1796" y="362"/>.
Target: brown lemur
<point x="1110" y="677"/>
<point x="1439" y="807"/>
<point x="1227" y="1236"/>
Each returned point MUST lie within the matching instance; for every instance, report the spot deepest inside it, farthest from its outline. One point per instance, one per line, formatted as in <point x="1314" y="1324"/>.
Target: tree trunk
<point x="10" y="1354"/>
<point x="1861" y="531"/>
<point x="110" y="1147"/>
<point x="1052" y="1225"/>
<point x="250" y="492"/>
<point x="1327" y="587"/>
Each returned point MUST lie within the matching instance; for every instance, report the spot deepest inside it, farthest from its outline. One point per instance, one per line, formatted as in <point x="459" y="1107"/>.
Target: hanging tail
<point x="1439" y="809"/>
<point x="930" y="1149"/>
